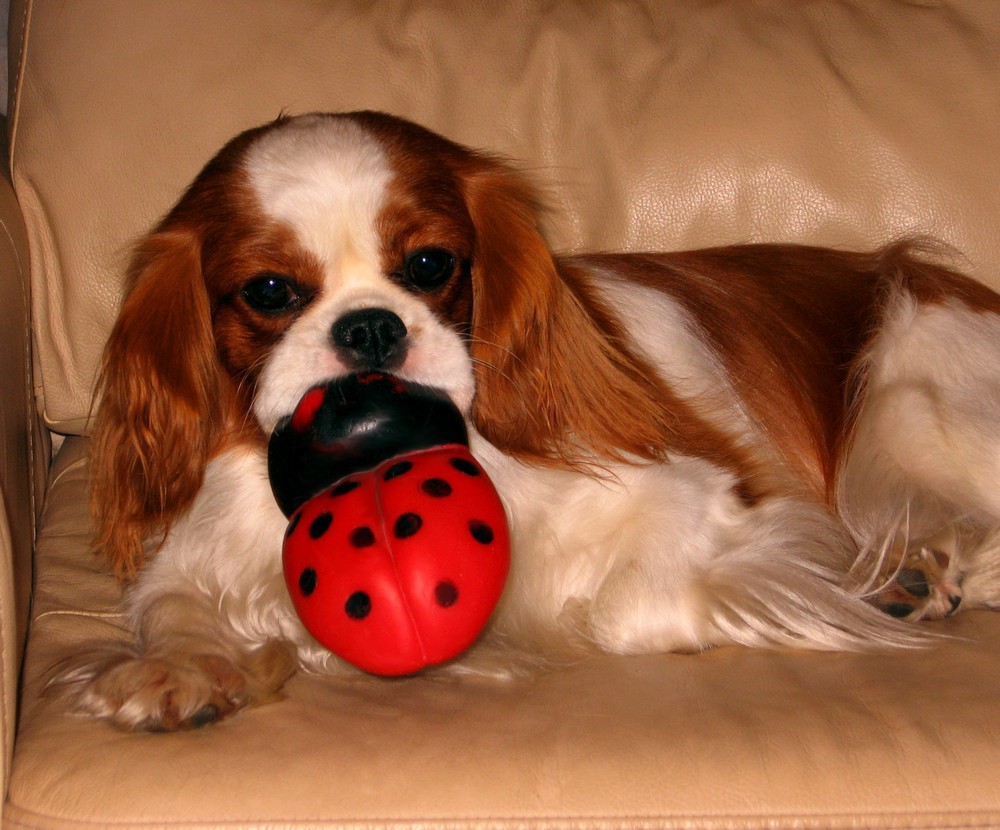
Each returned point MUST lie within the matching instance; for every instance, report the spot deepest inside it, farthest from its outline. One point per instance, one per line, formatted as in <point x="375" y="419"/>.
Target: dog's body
<point x="742" y="445"/>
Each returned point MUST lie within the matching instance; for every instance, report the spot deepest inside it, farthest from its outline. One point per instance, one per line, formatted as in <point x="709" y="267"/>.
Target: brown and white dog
<point x="750" y="445"/>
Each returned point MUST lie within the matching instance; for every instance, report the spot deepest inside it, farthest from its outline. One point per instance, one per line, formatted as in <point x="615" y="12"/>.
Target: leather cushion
<point x="733" y="737"/>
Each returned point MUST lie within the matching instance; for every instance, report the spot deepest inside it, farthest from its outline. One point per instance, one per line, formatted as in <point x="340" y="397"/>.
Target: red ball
<point x="400" y="567"/>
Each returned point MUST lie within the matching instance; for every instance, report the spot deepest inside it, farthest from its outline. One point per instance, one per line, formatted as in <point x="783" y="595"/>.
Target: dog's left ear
<point x="556" y="382"/>
<point x="515" y="295"/>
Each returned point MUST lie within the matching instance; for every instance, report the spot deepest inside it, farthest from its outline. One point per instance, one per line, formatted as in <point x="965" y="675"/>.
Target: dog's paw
<point x="173" y="692"/>
<point x="156" y="694"/>
<point x="924" y="586"/>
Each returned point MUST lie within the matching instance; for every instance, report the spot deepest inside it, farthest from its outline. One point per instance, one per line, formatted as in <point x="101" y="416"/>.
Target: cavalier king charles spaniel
<point x="763" y="445"/>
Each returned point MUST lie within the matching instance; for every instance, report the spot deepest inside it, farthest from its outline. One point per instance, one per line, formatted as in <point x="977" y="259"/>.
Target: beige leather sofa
<point x="654" y="125"/>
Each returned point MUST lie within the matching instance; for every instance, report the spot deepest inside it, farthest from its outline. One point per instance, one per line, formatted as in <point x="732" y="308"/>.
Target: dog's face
<point x="337" y="245"/>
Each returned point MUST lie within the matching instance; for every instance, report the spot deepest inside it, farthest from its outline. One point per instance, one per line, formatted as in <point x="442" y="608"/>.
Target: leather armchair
<point x="650" y="125"/>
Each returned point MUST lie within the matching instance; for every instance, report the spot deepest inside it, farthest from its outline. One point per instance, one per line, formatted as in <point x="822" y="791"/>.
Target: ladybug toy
<point x="397" y="548"/>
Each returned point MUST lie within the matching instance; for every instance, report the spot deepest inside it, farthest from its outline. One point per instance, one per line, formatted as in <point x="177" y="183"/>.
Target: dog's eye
<point x="271" y="293"/>
<point x="429" y="268"/>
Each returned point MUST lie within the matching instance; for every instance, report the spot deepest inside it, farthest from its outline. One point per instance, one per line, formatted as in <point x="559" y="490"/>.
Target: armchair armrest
<point x="21" y="468"/>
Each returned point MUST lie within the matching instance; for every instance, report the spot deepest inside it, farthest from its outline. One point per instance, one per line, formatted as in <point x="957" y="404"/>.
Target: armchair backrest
<point x="650" y="125"/>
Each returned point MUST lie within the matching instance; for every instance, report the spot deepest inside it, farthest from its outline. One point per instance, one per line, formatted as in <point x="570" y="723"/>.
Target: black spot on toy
<point x="481" y="532"/>
<point x="398" y="469"/>
<point x="407" y="525"/>
<point x="358" y="605"/>
<point x="320" y="525"/>
<point x="343" y="488"/>
<point x="445" y="594"/>
<point x="436" y="487"/>
<point x="307" y="582"/>
<point x="362" y="537"/>
<point x="463" y="465"/>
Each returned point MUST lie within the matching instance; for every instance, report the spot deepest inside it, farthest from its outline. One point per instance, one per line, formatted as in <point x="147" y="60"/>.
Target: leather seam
<point x="19" y="80"/>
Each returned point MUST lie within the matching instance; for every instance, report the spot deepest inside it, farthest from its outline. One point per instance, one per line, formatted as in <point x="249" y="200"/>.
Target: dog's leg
<point x="762" y="575"/>
<point x="213" y="625"/>
<point x="669" y="558"/>
<point x="924" y="461"/>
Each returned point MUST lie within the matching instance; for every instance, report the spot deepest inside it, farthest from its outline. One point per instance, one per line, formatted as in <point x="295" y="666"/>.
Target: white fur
<point x="667" y="558"/>
<point x="235" y="510"/>
<point x="928" y="435"/>
<point x="665" y="335"/>
<point x="326" y="180"/>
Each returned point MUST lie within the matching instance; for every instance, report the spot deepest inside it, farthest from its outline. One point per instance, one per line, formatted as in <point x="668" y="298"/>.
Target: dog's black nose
<point x="370" y="338"/>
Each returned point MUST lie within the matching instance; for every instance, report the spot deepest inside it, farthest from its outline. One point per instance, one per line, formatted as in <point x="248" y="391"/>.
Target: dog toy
<point x="397" y="548"/>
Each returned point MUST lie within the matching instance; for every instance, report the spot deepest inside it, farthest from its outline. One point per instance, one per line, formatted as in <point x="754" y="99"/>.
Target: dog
<point x="762" y="445"/>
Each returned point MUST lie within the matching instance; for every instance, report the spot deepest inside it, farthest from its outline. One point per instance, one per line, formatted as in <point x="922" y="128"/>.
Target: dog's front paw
<point x="165" y="694"/>
<point x="157" y="694"/>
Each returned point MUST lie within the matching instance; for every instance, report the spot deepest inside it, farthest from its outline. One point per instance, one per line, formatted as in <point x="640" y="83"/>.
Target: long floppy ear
<point x="164" y="401"/>
<point x="515" y="288"/>
<point x="556" y="379"/>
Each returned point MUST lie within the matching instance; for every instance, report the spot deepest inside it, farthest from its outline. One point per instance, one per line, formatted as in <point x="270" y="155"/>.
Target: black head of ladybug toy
<point x="397" y="549"/>
<point x="352" y="424"/>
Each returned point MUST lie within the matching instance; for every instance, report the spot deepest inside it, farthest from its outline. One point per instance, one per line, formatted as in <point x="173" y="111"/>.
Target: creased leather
<point x="17" y="445"/>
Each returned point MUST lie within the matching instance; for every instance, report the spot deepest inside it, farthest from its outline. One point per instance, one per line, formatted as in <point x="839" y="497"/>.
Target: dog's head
<point x="307" y="249"/>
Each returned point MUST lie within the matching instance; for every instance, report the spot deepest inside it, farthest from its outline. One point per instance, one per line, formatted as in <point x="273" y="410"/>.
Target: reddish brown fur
<point x="790" y="324"/>
<point x="786" y="323"/>
<point x="424" y="209"/>
<point x="166" y="403"/>
<point x="556" y="382"/>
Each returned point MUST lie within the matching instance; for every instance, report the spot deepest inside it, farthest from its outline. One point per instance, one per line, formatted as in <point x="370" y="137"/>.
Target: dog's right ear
<point x="164" y="400"/>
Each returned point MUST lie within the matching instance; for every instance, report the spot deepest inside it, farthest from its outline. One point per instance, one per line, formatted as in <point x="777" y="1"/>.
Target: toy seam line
<point x="383" y="519"/>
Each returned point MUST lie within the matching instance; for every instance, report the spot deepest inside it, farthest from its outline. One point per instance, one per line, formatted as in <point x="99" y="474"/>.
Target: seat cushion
<point x="731" y="737"/>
